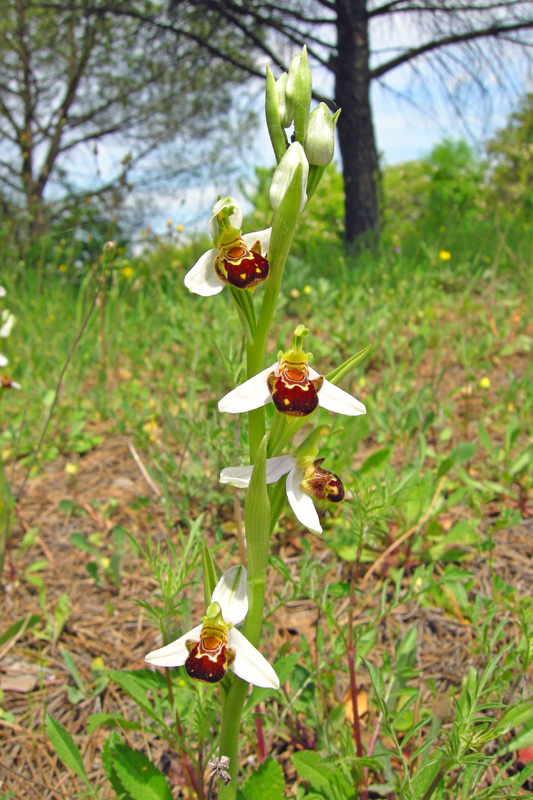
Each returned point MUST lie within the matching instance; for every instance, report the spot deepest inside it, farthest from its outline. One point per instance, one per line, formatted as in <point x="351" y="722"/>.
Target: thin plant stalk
<point x="59" y="385"/>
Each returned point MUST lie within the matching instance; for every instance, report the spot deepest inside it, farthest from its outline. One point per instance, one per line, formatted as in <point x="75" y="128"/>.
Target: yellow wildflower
<point x="445" y="255"/>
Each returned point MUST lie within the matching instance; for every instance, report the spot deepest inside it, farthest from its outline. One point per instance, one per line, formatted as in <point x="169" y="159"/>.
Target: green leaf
<point x="283" y="667"/>
<point x="139" y="776"/>
<point x="133" y="687"/>
<point x="463" y="452"/>
<point x="210" y="575"/>
<point x="266" y="783"/>
<point x="107" y="720"/>
<point x="323" y="776"/>
<point x="376" y="460"/>
<point x="23" y="624"/>
<point x="63" y="744"/>
<point x="336" y="375"/>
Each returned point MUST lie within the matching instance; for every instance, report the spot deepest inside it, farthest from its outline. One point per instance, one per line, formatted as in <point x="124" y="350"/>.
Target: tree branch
<point x="493" y="31"/>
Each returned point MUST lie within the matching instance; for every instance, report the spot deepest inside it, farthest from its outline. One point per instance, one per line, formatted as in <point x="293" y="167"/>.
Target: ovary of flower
<point x="305" y="479"/>
<point x="295" y="388"/>
<point x="235" y="259"/>
<point x="214" y="646"/>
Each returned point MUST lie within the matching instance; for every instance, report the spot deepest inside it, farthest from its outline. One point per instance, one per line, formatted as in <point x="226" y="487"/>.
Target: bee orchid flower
<point x="294" y="387"/>
<point x="235" y="259"/>
<point x="306" y="479"/>
<point x="214" y="646"/>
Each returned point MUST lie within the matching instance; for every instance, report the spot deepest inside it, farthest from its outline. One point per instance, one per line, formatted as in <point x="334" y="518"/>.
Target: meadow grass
<point x="443" y="459"/>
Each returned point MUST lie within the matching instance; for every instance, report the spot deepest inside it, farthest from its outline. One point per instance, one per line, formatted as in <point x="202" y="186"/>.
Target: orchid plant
<point x="252" y="265"/>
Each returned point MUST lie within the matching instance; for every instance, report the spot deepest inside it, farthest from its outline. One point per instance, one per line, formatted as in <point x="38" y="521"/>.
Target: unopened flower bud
<point x="298" y="91"/>
<point x="284" y="101"/>
<point x="284" y="173"/>
<point x="320" y="140"/>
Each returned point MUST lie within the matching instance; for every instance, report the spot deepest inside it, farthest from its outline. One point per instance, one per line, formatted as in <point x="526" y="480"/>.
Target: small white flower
<point x="305" y="479"/>
<point x="235" y="259"/>
<point x="3" y="361"/>
<point x="2" y="291"/>
<point x="8" y="320"/>
<point x="214" y="646"/>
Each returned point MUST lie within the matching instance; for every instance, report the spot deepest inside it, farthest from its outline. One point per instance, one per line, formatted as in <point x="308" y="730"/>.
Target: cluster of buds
<point x="312" y="143"/>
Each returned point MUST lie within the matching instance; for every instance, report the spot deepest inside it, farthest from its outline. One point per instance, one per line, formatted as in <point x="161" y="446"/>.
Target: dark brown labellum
<point x="323" y="485"/>
<point x="208" y="660"/>
<point x="240" y="267"/>
<point x="293" y="392"/>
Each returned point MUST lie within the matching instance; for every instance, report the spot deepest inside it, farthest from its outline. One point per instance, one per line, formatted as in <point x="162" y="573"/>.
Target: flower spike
<point x="235" y="259"/>
<point x="210" y="649"/>
<point x="295" y="388"/>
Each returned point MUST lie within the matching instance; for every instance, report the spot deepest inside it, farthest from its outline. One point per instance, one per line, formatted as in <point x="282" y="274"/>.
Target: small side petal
<point x="264" y="236"/>
<point x="249" y="664"/>
<point x="301" y="503"/>
<point x="173" y="654"/>
<point x="231" y="595"/>
<point x="251" y="394"/>
<point x="202" y="278"/>
<point x="335" y="399"/>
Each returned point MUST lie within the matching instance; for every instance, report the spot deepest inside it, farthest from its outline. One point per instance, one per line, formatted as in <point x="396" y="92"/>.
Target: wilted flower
<point x="235" y="259"/>
<point x="306" y="479"/>
<point x="295" y="388"/>
<point x="210" y="649"/>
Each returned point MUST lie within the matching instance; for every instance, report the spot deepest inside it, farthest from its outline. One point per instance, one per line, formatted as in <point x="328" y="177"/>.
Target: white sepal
<point x="202" y="278"/>
<point x="174" y="654"/>
<point x="275" y="469"/>
<point x="301" y="503"/>
<point x="334" y="399"/>
<point x="230" y="593"/>
<point x="251" y="394"/>
<point x="249" y="664"/>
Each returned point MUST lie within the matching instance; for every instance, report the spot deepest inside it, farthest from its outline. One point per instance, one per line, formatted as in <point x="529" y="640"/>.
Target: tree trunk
<point x="355" y="129"/>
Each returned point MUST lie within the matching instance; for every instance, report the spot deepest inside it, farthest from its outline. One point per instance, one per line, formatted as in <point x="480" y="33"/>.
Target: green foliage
<point x="510" y="159"/>
<point x="266" y="783"/>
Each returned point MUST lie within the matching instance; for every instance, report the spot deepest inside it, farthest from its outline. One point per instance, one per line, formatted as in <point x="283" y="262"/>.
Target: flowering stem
<point x="257" y="511"/>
